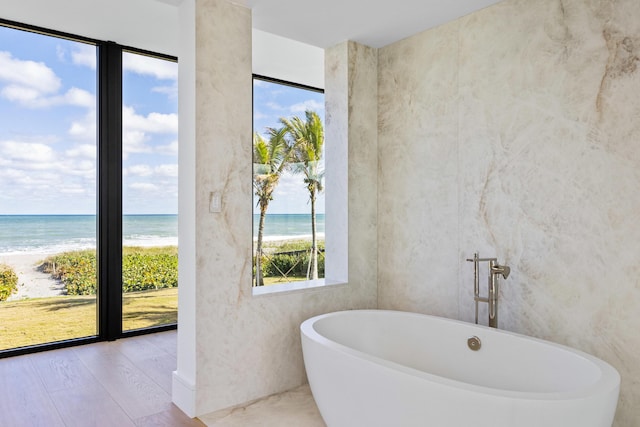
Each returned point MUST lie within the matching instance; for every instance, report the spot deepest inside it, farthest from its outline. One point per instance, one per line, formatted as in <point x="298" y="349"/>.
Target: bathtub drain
<point x="474" y="343"/>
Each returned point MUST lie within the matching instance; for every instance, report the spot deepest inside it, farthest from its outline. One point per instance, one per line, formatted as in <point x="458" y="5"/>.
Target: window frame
<point x="108" y="196"/>
<point x="304" y="284"/>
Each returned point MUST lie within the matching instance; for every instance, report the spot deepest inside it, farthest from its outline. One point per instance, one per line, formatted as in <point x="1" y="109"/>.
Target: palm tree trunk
<point x="313" y="259"/>
<point x="259" y="278"/>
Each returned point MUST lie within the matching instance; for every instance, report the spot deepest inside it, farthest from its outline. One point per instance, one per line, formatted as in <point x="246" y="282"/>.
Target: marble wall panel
<point x="417" y="173"/>
<point x="547" y="123"/>
<point x="248" y="346"/>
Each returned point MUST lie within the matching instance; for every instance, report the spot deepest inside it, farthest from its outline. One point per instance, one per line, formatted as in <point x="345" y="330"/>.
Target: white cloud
<point x="79" y="97"/>
<point x="136" y="127"/>
<point x="170" y="149"/>
<point x="257" y="115"/>
<point x="146" y="65"/>
<point x="83" y="168"/>
<point x="33" y="84"/>
<point x="36" y="173"/>
<point x="139" y="170"/>
<point x="144" y="186"/>
<point x="85" y="55"/>
<point x="27" y="152"/>
<point x="170" y="91"/>
<point x="31" y="98"/>
<point x="310" y="104"/>
<point x="170" y="170"/>
<point x="153" y="122"/>
<point x="86" y="128"/>
<point x="61" y="53"/>
<point x="88" y="151"/>
<point x="274" y="106"/>
<point x="73" y="189"/>
<point x="134" y="142"/>
<point x="28" y="74"/>
<point x="20" y="94"/>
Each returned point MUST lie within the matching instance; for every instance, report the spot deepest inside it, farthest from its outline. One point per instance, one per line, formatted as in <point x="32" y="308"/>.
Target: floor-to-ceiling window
<point x="75" y="117"/>
<point x="149" y="191"/>
<point x="47" y="189"/>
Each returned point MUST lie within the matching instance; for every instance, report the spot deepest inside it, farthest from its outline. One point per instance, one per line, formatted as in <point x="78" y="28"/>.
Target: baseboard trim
<point x="183" y="394"/>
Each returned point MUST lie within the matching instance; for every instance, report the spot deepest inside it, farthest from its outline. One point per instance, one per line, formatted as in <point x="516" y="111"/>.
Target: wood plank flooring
<point x="124" y="383"/>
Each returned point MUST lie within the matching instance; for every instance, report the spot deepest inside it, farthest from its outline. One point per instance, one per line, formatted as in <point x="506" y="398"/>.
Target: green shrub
<point x="8" y="282"/>
<point x="142" y="269"/>
<point x="292" y="259"/>
<point x="293" y="265"/>
<point x="77" y="270"/>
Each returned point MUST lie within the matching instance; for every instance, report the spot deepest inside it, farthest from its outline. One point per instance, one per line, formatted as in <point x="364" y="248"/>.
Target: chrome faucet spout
<point x="501" y="269"/>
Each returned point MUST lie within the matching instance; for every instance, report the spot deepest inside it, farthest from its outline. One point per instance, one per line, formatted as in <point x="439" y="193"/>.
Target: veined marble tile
<point x="417" y="173"/>
<point x="291" y="408"/>
<point x="249" y="346"/>
<point x="539" y="101"/>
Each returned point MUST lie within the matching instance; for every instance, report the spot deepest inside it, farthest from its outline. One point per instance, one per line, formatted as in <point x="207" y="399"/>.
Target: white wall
<point x="286" y="59"/>
<point x="184" y="378"/>
<point x="143" y="24"/>
<point x="154" y="25"/>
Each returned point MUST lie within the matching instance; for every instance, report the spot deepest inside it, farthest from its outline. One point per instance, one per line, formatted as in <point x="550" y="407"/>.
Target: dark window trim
<point x="61" y="34"/>
<point x="109" y="193"/>
<point x="255" y="77"/>
<point x="287" y="83"/>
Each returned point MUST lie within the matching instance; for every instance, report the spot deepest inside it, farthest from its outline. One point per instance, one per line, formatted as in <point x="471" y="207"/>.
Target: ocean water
<point x="285" y="226"/>
<point x="59" y="233"/>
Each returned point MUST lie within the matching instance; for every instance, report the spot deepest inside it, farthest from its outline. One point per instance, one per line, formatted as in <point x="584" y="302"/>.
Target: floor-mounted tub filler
<point x="388" y="368"/>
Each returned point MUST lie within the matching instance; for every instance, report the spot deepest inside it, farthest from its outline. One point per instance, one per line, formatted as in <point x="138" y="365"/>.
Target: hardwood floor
<point x="111" y="384"/>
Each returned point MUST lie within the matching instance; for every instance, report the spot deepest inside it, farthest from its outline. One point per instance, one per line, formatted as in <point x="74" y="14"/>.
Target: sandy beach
<point x="31" y="282"/>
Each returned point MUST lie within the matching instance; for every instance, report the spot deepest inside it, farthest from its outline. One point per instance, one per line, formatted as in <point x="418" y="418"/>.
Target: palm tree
<point x="308" y="139"/>
<point x="270" y="158"/>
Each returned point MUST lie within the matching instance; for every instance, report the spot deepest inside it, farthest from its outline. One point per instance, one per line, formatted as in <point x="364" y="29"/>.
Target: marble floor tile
<point x="292" y="408"/>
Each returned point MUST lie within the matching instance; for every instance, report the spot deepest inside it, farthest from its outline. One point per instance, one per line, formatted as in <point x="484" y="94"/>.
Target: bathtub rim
<point x="609" y="380"/>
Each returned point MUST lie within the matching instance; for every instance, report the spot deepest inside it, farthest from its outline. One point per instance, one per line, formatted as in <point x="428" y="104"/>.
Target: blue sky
<point x="48" y="128"/>
<point x="272" y="101"/>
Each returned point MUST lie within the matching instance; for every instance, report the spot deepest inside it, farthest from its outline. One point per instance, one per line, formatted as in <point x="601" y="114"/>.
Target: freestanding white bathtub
<point x="387" y="368"/>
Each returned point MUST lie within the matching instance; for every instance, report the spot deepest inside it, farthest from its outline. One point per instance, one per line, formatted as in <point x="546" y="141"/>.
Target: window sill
<point x="295" y="287"/>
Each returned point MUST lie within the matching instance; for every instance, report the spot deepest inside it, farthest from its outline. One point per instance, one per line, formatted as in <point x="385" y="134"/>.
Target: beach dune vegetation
<point x="288" y="261"/>
<point x="8" y="281"/>
<point x="292" y="259"/>
<point x="142" y="269"/>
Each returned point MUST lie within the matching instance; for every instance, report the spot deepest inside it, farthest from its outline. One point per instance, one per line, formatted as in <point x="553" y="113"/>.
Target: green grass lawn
<point x="280" y="280"/>
<point x="43" y="320"/>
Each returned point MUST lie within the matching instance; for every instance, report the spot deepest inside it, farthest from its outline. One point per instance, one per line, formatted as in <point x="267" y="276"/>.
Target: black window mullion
<point x="109" y="239"/>
<point x="109" y="192"/>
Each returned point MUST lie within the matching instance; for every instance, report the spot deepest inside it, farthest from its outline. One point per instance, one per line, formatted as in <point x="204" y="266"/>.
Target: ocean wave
<point x="84" y="244"/>
<point x="49" y="249"/>
<point x="149" y="241"/>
